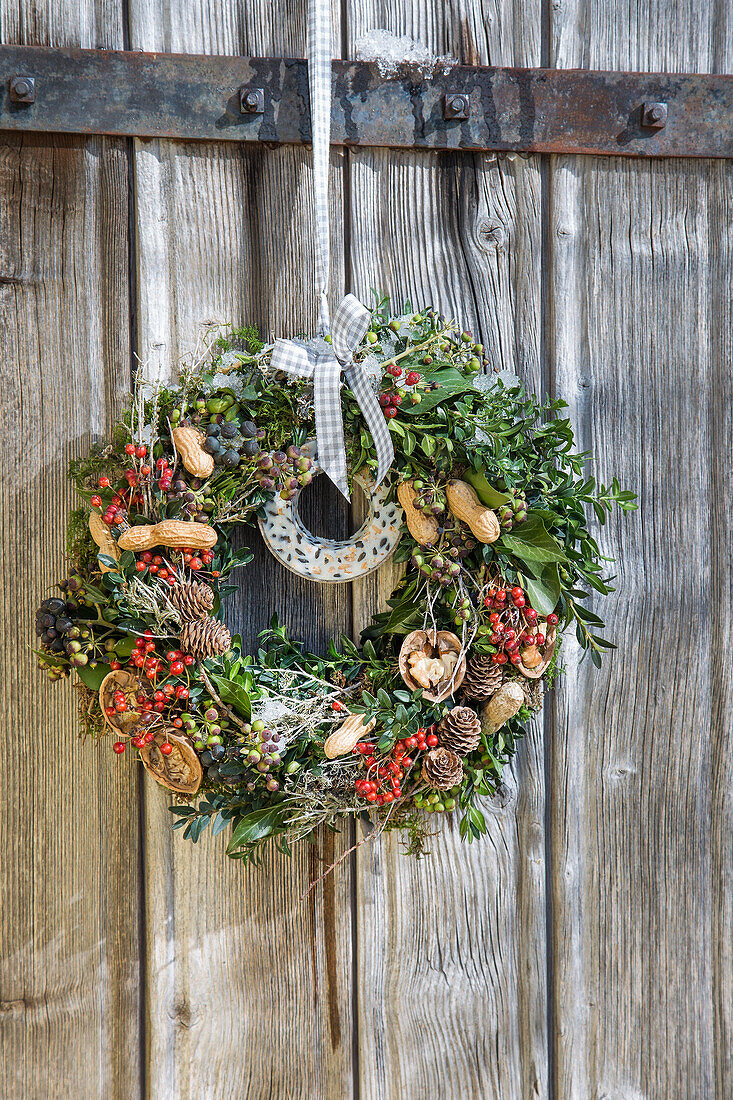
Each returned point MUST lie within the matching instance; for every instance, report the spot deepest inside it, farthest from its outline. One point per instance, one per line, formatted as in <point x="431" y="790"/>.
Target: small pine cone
<point x="482" y="678"/>
<point x="192" y="600"/>
<point x="460" y="730"/>
<point x="442" y="769"/>
<point x="204" y="638"/>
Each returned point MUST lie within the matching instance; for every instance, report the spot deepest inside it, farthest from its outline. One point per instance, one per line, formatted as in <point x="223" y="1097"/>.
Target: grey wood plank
<point x="452" y="986"/>
<point x="69" y="973"/>
<point x="641" y="757"/>
<point x="248" y="989"/>
<point x="720" y="264"/>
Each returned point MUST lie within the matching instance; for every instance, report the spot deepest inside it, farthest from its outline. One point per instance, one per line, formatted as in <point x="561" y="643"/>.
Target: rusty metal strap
<point x="266" y="100"/>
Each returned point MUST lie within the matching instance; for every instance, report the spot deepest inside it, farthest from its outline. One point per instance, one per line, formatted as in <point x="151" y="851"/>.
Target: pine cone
<point x="482" y="678"/>
<point x="460" y="730"/>
<point x="204" y="638"/>
<point x="442" y="769"/>
<point x="192" y="600"/>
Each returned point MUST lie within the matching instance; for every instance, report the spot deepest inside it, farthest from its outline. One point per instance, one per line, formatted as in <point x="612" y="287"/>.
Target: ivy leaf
<point x="487" y="494"/>
<point x="531" y="542"/>
<point x="544" y="590"/>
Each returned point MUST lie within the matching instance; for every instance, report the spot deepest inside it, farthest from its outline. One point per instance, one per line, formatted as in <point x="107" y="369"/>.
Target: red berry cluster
<point x="143" y="739"/>
<point x="115" y="512"/>
<point x="165" y="474"/>
<point x="383" y="781"/>
<point x="139" y="451"/>
<point x="156" y="565"/>
<point x="391" y="401"/>
<point x="120" y="704"/>
<point x="513" y="624"/>
<point x="153" y="666"/>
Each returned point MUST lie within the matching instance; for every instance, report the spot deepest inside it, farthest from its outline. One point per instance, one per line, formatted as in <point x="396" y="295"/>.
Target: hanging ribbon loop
<point x="319" y="86"/>
<point x="324" y="365"/>
<point x="320" y="361"/>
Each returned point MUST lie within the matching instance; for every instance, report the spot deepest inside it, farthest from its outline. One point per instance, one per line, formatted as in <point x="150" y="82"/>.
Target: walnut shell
<point x="120" y="681"/>
<point x="181" y="770"/>
<point x="533" y="672"/>
<point x="433" y="646"/>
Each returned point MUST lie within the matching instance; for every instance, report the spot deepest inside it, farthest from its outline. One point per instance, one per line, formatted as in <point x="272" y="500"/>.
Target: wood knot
<point x="493" y="236"/>
<point x="182" y="1013"/>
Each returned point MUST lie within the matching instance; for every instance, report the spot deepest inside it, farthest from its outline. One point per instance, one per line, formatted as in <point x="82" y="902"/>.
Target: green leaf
<point x="124" y="647"/>
<point x="233" y="695"/>
<point x="532" y="542"/>
<point x="450" y="383"/>
<point x="219" y="825"/>
<point x="543" y="591"/>
<point x="127" y="561"/>
<point x="92" y="677"/>
<point x="487" y="494"/>
<point x="241" y="557"/>
<point x="256" y="826"/>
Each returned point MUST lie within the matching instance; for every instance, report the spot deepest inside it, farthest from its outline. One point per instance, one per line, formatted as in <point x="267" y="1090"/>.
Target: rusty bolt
<point x="654" y="116"/>
<point x="22" y="89"/>
<point x="252" y="101"/>
<point x="455" y="105"/>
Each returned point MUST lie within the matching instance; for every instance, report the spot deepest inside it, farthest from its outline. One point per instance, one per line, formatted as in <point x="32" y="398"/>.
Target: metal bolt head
<point x="252" y="101"/>
<point x="22" y="89"/>
<point x="455" y="105"/>
<point x="654" y="116"/>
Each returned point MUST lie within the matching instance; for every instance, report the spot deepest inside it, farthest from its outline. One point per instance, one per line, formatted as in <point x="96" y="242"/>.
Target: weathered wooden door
<point x="583" y="950"/>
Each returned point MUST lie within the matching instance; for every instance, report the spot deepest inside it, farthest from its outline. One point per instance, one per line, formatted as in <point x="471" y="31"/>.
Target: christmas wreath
<point x="485" y="506"/>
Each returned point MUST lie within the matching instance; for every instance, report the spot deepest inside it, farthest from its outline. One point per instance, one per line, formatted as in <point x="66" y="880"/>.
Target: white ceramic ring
<point x="330" y="560"/>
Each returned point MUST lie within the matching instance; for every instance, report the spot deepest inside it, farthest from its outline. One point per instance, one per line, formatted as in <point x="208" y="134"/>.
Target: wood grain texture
<point x="641" y="758"/>
<point x="69" y="976"/>
<point x="248" y="989"/>
<point x="451" y="978"/>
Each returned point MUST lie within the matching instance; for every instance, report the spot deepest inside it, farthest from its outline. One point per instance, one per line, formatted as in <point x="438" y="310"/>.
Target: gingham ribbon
<point x="319" y="84"/>
<point x="324" y="364"/>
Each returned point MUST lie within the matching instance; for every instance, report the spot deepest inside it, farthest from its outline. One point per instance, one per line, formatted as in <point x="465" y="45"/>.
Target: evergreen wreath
<point x="423" y="715"/>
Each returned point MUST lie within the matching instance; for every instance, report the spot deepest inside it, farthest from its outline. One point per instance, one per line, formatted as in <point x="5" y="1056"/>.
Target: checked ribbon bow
<point x="324" y="365"/>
